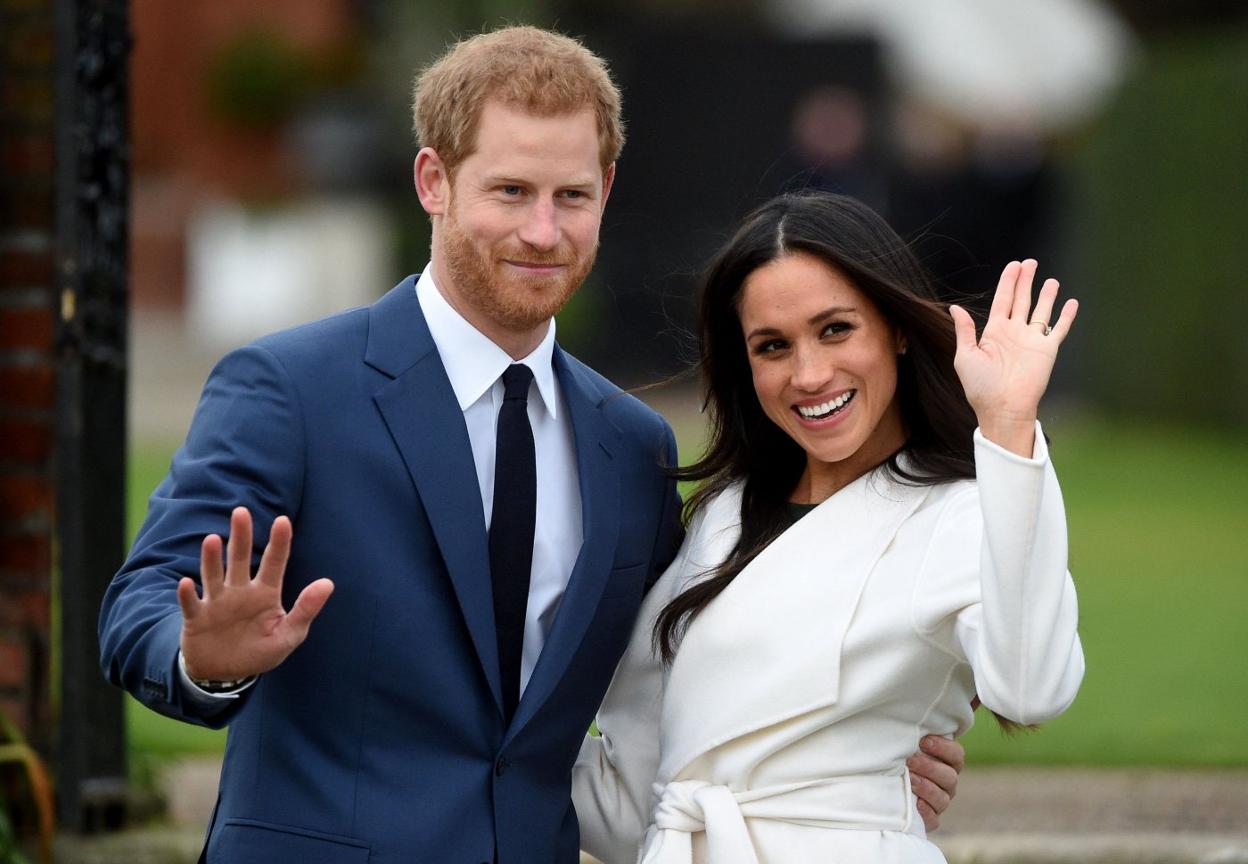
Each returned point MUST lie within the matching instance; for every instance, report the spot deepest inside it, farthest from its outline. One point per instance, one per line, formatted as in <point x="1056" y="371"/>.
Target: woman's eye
<point x="836" y="328"/>
<point x="769" y="347"/>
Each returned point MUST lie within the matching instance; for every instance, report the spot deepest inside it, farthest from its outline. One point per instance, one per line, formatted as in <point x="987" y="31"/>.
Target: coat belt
<point x="867" y="802"/>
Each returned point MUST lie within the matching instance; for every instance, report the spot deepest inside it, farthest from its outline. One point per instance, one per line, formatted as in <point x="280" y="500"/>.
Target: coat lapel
<point x="788" y="610"/>
<point x="425" y="421"/>
<point x="596" y="440"/>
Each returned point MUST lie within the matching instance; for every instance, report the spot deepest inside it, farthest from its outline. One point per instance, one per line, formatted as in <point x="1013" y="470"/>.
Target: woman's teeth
<point x="827" y="409"/>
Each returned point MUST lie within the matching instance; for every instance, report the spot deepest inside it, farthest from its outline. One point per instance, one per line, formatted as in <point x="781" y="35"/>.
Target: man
<point x="485" y="511"/>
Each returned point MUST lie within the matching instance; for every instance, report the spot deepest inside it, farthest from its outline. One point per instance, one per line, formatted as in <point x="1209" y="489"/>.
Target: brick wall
<point x="27" y="362"/>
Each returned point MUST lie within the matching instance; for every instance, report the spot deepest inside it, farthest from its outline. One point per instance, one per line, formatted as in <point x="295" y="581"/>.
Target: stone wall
<point x="27" y="362"/>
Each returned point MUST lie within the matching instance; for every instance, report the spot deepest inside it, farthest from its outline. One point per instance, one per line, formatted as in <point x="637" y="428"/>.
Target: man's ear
<point x="433" y="182"/>
<point x="608" y="179"/>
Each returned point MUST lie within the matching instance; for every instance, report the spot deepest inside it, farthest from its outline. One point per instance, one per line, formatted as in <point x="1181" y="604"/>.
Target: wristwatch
<point x="208" y="685"/>
<point x="222" y="686"/>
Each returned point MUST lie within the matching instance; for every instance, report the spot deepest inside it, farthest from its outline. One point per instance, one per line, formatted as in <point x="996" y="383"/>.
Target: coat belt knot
<point x="685" y="807"/>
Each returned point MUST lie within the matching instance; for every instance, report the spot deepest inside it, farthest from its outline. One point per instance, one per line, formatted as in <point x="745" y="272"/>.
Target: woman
<point x="861" y="562"/>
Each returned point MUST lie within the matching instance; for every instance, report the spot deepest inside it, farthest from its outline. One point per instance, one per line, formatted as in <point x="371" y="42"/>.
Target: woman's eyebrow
<point x="814" y="319"/>
<point x="828" y="313"/>
<point x="762" y="331"/>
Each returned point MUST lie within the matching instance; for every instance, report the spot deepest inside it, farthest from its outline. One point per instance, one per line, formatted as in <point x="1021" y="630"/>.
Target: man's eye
<point x="573" y="194"/>
<point x="511" y="190"/>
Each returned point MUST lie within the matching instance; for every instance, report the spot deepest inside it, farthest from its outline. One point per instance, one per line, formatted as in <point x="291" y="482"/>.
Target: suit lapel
<point x="596" y="440"/>
<point x="425" y="421"/>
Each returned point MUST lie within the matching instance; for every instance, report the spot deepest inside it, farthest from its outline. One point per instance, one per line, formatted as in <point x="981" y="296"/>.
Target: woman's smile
<point x="823" y="412"/>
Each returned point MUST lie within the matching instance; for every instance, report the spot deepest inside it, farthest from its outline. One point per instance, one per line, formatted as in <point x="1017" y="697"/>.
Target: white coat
<point x="780" y="733"/>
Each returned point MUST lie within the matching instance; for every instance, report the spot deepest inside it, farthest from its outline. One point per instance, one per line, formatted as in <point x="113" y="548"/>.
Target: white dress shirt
<point x="475" y="366"/>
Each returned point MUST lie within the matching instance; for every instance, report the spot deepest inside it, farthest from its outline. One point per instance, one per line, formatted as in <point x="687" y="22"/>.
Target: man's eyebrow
<point x="510" y="180"/>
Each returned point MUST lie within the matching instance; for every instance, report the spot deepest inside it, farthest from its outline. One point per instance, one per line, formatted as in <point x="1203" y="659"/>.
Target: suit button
<point x="501" y="765"/>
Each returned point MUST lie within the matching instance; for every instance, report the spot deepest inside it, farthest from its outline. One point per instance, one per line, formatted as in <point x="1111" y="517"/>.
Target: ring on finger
<point x="1045" y="327"/>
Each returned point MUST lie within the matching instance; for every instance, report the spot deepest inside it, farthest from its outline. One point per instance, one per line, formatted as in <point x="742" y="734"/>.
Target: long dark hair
<point x="746" y="447"/>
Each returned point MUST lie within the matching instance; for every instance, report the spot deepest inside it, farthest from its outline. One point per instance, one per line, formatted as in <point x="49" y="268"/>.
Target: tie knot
<point x="516" y="380"/>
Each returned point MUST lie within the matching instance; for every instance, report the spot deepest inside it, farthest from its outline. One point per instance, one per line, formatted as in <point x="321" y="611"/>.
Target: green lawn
<point x="151" y="735"/>
<point x="1159" y="550"/>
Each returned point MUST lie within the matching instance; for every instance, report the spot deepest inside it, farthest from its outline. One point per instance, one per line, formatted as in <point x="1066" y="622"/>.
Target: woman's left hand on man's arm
<point x="1006" y="370"/>
<point x="934" y="774"/>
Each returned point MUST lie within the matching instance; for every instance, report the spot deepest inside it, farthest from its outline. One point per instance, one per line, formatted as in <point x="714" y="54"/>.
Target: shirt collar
<point x="472" y="362"/>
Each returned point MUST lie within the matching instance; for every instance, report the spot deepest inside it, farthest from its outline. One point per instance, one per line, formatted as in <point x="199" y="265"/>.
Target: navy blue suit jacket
<point x="381" y="738"/>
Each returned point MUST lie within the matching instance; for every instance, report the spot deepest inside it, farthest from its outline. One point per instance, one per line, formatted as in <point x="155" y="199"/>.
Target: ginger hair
<point x="537" y="71"/>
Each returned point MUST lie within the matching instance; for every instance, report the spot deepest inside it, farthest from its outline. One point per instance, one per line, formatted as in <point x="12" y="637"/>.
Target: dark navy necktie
<point x="511" y="527"/>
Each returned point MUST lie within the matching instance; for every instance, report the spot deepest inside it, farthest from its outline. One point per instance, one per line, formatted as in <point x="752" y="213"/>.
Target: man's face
<point x="520" y="229"/>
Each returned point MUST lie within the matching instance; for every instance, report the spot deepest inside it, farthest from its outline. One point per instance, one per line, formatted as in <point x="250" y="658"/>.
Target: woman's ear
<point x="432" y="180"/>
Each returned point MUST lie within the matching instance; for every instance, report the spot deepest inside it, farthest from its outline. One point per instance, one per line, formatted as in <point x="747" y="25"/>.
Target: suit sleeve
<point x="671" y="532"/>
<point x="1002" y="546"/>
<point x="245" y="447"/>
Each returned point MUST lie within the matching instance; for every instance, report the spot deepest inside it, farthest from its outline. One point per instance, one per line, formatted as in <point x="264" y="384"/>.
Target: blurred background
<point x="272" y="154"/>
<point x="271" y="163"/>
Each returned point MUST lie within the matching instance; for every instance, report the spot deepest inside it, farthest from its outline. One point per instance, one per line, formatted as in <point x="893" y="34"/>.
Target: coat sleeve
<point x="998" y="562"/>
<point x="245" y="447"/>
<point x="614" y="773"/>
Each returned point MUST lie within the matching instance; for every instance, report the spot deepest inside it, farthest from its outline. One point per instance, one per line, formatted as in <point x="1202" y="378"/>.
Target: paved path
<point x="1142" y="816"/>
<point x="1066" y="801"/>
<point x="1084" y="801"/>
<point x="1001" y="816"/>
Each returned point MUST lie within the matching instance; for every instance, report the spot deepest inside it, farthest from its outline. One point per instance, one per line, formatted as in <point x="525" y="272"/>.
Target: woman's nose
<point x="811" y="369"/>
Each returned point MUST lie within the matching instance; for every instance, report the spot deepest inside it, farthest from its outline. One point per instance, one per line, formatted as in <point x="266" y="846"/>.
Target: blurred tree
<point x="594" y="14"/>
<point x="1160" y="231"/>
<point x="1165" y="16"/>
<point x="257" y="79"/>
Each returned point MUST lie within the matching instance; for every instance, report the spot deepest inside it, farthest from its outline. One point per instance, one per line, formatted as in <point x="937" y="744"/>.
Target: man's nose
<point x="541" y="227"/>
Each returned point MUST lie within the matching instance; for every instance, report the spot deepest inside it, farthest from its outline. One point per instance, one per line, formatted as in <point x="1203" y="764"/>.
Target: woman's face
<point x="824" y="363"/>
